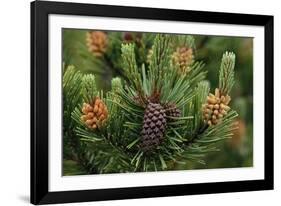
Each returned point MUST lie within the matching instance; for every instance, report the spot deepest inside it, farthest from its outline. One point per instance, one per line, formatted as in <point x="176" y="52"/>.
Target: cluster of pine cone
<point x="95" y="114"/>
<point x="96" y="42"/>
<point x="216" y="107"/>
<point x="154" y="124"/>
<point x="183" y="57"/>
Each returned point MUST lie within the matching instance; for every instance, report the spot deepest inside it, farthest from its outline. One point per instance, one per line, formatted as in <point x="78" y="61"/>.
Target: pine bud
<point x="96" y="42"/>
<point x="216" y="107"/>
<point x="183" y="58"/>
<point x="95" y="114"/>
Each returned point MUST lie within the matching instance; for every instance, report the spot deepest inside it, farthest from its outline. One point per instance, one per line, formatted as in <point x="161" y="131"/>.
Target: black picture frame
<point x="40" y="96"/>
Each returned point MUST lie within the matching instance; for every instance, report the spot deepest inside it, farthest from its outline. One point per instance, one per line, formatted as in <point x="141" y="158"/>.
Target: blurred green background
<point x="236" y="152"/>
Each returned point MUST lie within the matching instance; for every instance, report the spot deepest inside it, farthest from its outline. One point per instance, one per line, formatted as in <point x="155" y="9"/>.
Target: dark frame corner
<point x="39" y="102"/>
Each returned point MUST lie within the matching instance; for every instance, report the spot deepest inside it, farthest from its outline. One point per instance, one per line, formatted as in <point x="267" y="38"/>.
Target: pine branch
<point x="226" y="75"/>
<point x="199" y="99"/>
<point x="183" y="41"/>
<point x="117" y="145"/>
<point x="159" y="61"/>
<point x="131" y="68"/>
<point x="204" y="140"/>
<point x="89" y="89"/>
<point x="72" y="85"/>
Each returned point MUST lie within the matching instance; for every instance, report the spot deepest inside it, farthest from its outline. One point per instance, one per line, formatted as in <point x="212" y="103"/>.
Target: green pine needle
<point x="226" y="74"/>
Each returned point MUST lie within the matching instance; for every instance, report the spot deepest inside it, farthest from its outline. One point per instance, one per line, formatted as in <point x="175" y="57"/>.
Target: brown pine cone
<point x="183" y="57"/>
<point x="154" y="125"/>
<point x="215" y="108"/>
<point x="94" y="114"/>
<point x="172" y="110"/>
<point x="130" y="37"/>
<point x="96" y="42"/>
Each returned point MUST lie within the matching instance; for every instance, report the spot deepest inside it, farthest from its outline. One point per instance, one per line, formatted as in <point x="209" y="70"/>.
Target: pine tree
<point x="158" y="111"/>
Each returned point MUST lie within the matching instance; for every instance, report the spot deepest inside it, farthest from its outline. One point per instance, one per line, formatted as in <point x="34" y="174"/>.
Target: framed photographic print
<point x="133" y="102"/>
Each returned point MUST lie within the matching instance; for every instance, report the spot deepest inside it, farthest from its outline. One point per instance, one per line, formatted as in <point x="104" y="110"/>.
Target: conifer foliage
<point x="157" y="113"/>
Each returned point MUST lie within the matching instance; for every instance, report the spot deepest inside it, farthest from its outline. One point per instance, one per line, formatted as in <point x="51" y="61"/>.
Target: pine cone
<point x="94" y="114"/>
<point x="172" y="110"/>
<point x="215" y="108"/>
<point x="154" y="125"/>
<point x="130" y="37"/>
<point x="96" y="42"/>
<point x="183" y="57"/>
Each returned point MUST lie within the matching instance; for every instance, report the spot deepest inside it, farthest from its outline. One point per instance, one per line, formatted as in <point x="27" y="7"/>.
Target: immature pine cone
<point x="183" y="57"/>
<point x="172" y="110"/>
<point x="153" y="128"/>
<point x="95" y="114"/>
<point x="96" y="42"/>
<point x="215" y="108"/>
